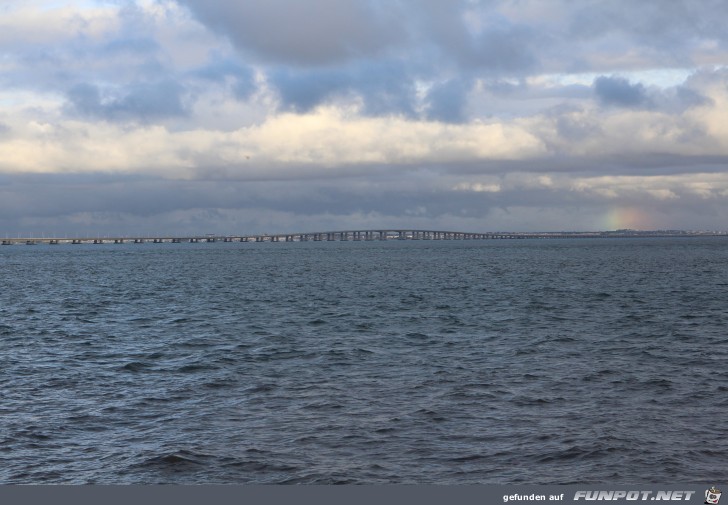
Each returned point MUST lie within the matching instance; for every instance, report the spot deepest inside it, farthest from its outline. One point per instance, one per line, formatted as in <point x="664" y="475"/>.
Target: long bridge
<point x="326" y="236"/>
<point x="346" y="235"/>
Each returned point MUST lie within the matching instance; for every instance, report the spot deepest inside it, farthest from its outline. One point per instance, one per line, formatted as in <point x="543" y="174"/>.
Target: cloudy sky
<point x="251" y="116"/>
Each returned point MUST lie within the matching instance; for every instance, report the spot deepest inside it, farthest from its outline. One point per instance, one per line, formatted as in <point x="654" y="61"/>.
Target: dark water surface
<point x="524" y="361"/>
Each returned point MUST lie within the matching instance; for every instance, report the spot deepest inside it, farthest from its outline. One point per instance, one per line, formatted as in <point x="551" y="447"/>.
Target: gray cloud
<point x="103" y="204"/>
<point x="326" y="32"/>
<point x="304" y="90"/>
<point x="674" y="25"/>
<point x="378" y="52"/>
<point x="447" y="101"/>
<point x="619" y="91"/>
<point x="385" y="87"/>
<point x="506" y="52"/>
<point x="315" y="32"/>
<point x="136" y="45"/>
<point x="220" y="69"/>
<point x="139" y="102"/>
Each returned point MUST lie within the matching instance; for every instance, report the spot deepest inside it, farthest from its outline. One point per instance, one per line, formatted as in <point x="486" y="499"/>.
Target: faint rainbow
<point x="627" y="218"/>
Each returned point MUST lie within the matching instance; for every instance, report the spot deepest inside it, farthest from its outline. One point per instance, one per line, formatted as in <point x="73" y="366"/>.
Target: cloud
<point x="499" y="37"/>
<point x="340" y="140"/>
<point x="327" y="140"/>
<point x="618" y="91"/>
<point x="317" y="32"/>
<point x="384" y="54"/>
<point x="382" y="88"/>
<point x="219" y="70"/>
<point x="102" y="204"/>
<point x="447" y="101"/>
<point x="143" y="102"/>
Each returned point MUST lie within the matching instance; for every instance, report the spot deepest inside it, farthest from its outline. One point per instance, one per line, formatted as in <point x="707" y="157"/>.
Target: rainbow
<point x="627" y="218"/>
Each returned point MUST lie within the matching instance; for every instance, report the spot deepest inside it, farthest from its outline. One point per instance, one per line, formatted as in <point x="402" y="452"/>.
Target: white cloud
<point x="478" y="187"/>
<point x="326" y="137"/>
<point x="38" y="24"/>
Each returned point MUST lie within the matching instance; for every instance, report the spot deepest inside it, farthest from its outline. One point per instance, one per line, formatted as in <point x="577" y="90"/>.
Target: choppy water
<point x="553" y="361"/>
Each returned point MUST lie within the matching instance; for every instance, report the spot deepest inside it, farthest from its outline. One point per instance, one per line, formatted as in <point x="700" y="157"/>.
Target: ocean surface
<point x="447" y="362"/>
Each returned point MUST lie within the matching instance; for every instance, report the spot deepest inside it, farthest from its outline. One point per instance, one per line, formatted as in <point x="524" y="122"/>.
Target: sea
<point x="555" y="361"/>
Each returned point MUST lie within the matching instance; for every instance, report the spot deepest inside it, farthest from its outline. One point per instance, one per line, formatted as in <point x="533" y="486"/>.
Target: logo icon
<point x="712" y="496"/>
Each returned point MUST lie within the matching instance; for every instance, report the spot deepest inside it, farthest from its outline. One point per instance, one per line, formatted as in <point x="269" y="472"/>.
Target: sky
<point x="161" y="117"/>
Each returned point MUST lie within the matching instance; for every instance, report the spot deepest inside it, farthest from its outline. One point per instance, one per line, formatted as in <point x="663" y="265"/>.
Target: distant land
<point x="360" y="235"/>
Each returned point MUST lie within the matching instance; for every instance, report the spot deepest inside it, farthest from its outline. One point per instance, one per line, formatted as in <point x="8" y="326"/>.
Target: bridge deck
<point x="341" y="235"/>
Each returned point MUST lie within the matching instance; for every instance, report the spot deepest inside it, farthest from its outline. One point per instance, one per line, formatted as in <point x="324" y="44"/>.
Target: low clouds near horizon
<point x="281" y="115"/>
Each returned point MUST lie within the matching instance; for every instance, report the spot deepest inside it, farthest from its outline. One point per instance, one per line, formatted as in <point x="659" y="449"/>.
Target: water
<point x="525" y="361"/>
